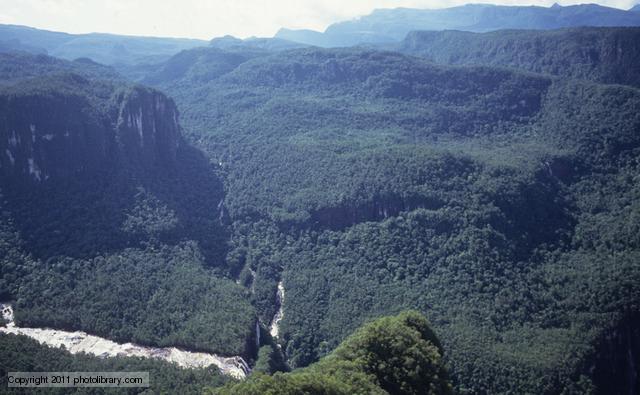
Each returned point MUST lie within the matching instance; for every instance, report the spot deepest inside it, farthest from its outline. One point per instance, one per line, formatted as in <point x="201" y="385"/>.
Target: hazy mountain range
<point x="269" y="201"/>
<point x="381" y="26"/>
<point x="102" y="48"/>
<point x="388" y="25"/>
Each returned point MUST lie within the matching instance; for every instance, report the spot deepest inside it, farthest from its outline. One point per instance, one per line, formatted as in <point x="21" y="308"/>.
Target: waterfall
<point x="257" y="334"/>
<point x="274" y="328"/>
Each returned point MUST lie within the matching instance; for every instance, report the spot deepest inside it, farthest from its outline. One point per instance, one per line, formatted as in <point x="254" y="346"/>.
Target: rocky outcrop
<point x="147" y="128"/>
<point x="50" y="136"/>
<point x="48" y="133"/>
<point x="379" y="208"/>
<point x="616" y="369"/>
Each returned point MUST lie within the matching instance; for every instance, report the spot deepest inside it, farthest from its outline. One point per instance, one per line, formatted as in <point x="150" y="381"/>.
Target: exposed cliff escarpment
<point x="616" y="369"/>
<point x="65" y="125"/>
<point x="94" y="174"/>
<point x="147" y="127"/>
<point x="345" y="215"/>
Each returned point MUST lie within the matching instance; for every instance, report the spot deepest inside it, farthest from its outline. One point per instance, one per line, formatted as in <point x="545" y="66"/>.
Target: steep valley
<point x="503" y="204"/>
<point x="102" y="204"/>
<point x="372" y="183"/>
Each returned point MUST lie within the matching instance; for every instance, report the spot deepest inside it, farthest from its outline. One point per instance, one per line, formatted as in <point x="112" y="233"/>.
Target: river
<point x="81" y="342"/>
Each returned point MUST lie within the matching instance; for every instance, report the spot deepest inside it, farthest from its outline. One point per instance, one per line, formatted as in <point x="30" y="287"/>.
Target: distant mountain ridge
<point x="389" y="25"/>
<point x="604" y="54"/>
<point x="102" y="48"/>
<point x="269" y="44"/>
<point x="486" y="179"/>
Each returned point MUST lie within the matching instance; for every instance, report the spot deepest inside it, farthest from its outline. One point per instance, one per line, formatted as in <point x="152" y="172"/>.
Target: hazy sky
<point x="207" y="19"/>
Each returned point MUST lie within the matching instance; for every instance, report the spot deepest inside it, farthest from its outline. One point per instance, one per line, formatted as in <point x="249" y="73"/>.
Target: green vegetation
<point x="606" y="55"/>
<point x="20" y="66"/>
<point x="270" y="360"/>
<point x="199" y="65"/>
<point x="21" y="354"/>
<point x="392" y="355"/>
<point x="372" y="182"/>
<point x="101" y="233"/>
<point x="502" y="203"/>
<point x="159" y="296"/>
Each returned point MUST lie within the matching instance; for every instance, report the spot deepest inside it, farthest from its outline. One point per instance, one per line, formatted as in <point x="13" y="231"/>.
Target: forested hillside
<point x="112" y="223"/>
<point x="392" y="355"/>
<point x="497" y="202"/>
<point x="266" y="199"/>
<point x="17" y="67"/>
<point x="607" y="55"/>
<point x="270" y="44"/>
<point x="21" y="354"/>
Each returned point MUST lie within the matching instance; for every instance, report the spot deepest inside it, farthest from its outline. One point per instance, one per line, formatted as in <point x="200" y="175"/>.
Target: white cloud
<point x="206" y="19"/>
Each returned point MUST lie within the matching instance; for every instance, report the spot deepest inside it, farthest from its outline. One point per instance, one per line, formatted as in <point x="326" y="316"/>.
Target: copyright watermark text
<point x="77" y="379"/>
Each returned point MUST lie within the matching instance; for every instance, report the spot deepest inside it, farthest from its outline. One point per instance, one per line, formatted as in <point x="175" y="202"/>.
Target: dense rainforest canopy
<point x="21" y="354"/>
<point x="502" y="204"/>
<point x="392" y="355"/>
<point x="111" y="223"/>
<point x="495" y="201"/>
<point x="608" y="54"/>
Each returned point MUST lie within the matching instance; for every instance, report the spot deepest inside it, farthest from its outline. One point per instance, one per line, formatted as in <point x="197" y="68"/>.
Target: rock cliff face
<point x="616" y="369"/>
<point x="43" y="137"/>
<point x="345" y="215"/>
<point x="62" y="132"/>
<point x="147" y="127"/>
